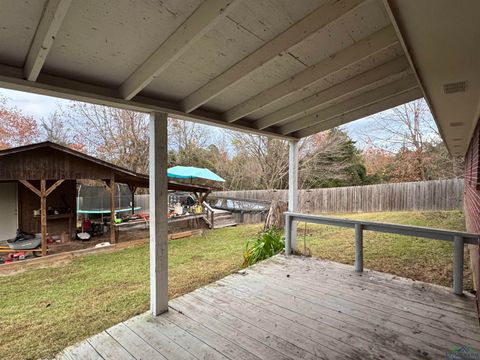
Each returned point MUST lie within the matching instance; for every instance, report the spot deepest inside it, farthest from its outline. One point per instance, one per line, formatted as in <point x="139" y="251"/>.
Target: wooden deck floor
<point x="297" y="308"/>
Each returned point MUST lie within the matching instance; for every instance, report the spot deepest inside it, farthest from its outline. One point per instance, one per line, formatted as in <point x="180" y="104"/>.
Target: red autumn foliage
<point x="78" y="147"/>
<point x="16" y="129"/>
<point x="378" y="161"/>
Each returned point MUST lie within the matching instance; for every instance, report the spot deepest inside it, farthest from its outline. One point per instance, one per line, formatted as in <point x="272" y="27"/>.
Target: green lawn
<point x="45" y="310"/>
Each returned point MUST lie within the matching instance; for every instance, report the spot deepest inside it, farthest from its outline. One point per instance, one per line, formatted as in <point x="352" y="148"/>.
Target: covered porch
<point x="283" y="69"/>
<point x="297" y="308"/>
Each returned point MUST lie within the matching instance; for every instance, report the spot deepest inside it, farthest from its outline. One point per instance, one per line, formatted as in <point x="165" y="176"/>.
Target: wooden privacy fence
<point x="422" y="195"/>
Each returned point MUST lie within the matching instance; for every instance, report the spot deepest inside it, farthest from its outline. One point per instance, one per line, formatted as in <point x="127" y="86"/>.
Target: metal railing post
<point x="458" y="256"/>
<point x="288" y="234"/>
<point x="358" y="247"/>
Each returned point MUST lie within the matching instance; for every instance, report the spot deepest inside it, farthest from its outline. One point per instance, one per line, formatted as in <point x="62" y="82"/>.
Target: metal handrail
<point x="459" y="238"/>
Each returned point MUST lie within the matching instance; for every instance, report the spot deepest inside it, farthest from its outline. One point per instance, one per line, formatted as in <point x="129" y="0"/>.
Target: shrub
<point x="268" y="243"/>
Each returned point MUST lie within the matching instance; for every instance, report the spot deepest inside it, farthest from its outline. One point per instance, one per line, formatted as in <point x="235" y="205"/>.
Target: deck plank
<point x="156" y="337"/>
<point x="382" y="322"/>
<point x="218" y="345"/>
<point x="361" y="338"/>
<point x="276" y="339"/>
<point x="414" y="292"/>
<point x="410" y="290"/>
<point x="349" y="316"/>
<point x="321" y="310"/>
<point x="81" y="351"/>
<point x="187" y="340"/>
<point x="312" y="349"/>
<point x="403" y="313"/>
<point x="287" y="348"/>
<point x="236" y="330"/>
<point x="108" y="347"/>
<point x="412" y="309"/>
<point x="336" y="341"/>
<point x="133" y="343"/>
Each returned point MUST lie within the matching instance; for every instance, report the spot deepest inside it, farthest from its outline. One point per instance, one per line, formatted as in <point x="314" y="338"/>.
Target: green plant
<point x="268" y="243"/>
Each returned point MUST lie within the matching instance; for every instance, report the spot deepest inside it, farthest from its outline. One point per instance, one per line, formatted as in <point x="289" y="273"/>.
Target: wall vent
<point x="456" y="87"/>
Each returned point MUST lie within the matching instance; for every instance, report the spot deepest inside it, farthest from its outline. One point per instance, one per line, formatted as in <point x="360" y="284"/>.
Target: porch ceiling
<point x="278" y="67"/>
<point x="442" y="38"/>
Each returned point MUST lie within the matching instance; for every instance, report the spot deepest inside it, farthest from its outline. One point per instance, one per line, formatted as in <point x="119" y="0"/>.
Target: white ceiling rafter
<point x="311" y="103"/>
<point x="295" y="34"/>
<point x="354" y="53"/>
<point x="368" y="110"/>
<point x="192" y="29"/>
<point x="358" y="101"/>
<point x="49" y="85"/>
<point x="50" y="22"/>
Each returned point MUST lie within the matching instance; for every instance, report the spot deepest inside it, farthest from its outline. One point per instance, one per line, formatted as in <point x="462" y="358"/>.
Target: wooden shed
<point x="38" y="187"/>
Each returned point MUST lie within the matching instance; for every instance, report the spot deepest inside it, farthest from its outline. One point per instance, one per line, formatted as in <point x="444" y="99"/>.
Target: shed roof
<point x="47" y="160"/>
<point x="280" y="67"/>
<point x="52" y="161"/>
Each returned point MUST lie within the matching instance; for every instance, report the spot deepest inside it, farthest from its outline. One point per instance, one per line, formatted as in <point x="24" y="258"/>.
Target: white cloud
<point x="38" y="106"/>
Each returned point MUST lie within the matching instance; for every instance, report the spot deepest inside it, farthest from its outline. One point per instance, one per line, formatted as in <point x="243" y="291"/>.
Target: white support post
<point x="293" y="189"/>
<point x="158" y="214"/>
<point x="288" y="235"/>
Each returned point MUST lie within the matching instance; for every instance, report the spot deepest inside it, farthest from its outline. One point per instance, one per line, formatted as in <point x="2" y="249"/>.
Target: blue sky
<point x="40" y="106"/>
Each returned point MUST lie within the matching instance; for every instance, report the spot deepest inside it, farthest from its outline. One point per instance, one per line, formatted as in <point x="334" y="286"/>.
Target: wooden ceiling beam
<point x="312" y="103"/>
<point x="358" y="101"/>
<point x="52" y="18"/>
<point x="192" y="29"/>
<point x="382" y="105"/>
<point x="49" y="85"/>
<point x="348" y="56"/>
<point x="298" y="32"/>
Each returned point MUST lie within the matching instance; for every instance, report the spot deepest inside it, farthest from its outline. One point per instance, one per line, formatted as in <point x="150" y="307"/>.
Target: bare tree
<point x="262" y="163"/>
<point x="115" y="135"/>
<point x="186" y="134"/>
<point x="56" y="130"/>
<point x="189" y="143"/>
<point x="122" y="136"/>
<point x="409" y="133"/>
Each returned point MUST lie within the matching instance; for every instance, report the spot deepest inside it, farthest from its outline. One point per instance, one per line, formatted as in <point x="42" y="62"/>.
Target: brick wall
<point x="472" y="202"/>
<point x="472" y="184"/>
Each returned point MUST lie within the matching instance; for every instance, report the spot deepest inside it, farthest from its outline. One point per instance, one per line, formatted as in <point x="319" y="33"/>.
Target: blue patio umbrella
<point x="191" y="172"/>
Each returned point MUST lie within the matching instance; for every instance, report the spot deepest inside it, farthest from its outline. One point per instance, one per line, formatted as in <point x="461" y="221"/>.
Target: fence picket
<point x="422" y="195"/>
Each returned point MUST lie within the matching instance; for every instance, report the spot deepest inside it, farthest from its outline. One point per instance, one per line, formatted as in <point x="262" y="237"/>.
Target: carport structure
<point x="280" y="68"/>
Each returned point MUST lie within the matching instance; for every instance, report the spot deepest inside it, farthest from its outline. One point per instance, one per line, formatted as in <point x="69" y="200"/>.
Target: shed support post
<point x="358" y="247"/>
<point x="458" y="258"/>
<point x="158" y="214"/>
<point x="42" y="194"/>
<point x="112" y="210"/>
<point x="293" y="189"/>
<point x="43" y="214"/>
